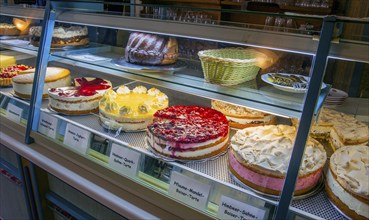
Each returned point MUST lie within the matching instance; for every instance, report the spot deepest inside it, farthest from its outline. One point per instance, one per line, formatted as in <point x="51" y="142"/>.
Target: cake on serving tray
<point x="8" y="30"/>
<point x="82" y="98"/>
<point x="188" y="132"/>
<point x="259" y="157"/>
<point x="6" y="74"/>
<point x="130" y="110"/>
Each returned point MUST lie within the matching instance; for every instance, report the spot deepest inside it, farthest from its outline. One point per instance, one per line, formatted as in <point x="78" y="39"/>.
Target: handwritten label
<point x="188" y="190"/>
<point x="124" y="160"/>
<point x="233" y="209"/>
<point x="14" y="113"/>
<point x="77" y="138"/>
<point x="47" y="125"/>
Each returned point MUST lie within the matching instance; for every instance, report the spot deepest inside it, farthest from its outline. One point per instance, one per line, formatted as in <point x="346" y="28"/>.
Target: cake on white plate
<point x="55" y="77"/>
<point x="347" y="181"/>
<point x="82" y="98"/>
<point x="241" y="117"/>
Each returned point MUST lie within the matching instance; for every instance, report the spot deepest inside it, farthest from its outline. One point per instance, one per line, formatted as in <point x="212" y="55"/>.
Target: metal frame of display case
<point x="303" y="44"/>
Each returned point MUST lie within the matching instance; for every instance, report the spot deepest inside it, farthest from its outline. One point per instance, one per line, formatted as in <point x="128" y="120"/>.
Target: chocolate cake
<point x="150" y="49"/>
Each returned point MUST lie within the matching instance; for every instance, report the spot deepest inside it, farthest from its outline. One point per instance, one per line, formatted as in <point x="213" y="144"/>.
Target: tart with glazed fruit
<point x="6" y="74"/>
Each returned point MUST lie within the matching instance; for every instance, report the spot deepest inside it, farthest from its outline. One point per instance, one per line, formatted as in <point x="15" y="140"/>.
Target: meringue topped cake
<point x="188" y="132"/>
<point x="81" y="99"/>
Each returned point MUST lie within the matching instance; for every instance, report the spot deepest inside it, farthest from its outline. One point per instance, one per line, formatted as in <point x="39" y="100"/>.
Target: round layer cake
<point x="242" y="117"/>
<point x="8" y="30"/>
<point x="62" y="36"/>
<point x="130" y="110"/>
<point x="151" y="49"/>
<point x="347" y="181"/>
<point x="188" y="132"/>
<point x="55" y="77"/>
<point x="81" y="99"/>
<point x="259" y="157"/>
<point x="6" y="74"/>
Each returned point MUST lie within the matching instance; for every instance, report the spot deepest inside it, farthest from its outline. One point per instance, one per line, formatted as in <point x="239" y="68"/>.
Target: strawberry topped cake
<point x="82" y="99"/>
<point x="6" y="74"/>
<point x="188" y="132"/>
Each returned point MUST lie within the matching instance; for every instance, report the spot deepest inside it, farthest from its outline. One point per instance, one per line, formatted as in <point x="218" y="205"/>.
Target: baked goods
<point x="259" y="157"/>
<point x="6" y="61"/>
<point x="151" y="49"/>
<point x="6" y="74"/>
<point x="62" y="36"/>
<point x="130" y="110"/>
<point x="347" y="181"/>
<point x="242" y="117"/>
<point x="8" y="30"/>
<point x="22" y="25"/>
<point x="188" y="132"/>
<point x="81" y="99"/>
<point x="55" y="77"/>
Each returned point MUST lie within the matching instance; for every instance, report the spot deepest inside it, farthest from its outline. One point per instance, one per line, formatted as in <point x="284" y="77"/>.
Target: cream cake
<point x="259" y="157"/>
<point x="55" y="77"/>
<point x="188" y="132"/>
<point x="6" y="74"/>
<point x="130" y="110"/>
<point x="347" y="181"/>
<point x="62" y="36"/>
<point x="8" y="29"/>
<point x="81" y="99"/>
<point x="242" y="117"/>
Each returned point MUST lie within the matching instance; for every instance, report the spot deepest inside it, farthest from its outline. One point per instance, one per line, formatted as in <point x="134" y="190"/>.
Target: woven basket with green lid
<point x="229" y="66"/>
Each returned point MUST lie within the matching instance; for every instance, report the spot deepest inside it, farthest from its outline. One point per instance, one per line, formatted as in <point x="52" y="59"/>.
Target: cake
<point x="347" y="181"/>
<point x="6" y="61"/>
<point x="62" y="36"/>
<point x="150" y="49"/>
<point x="242" y="117"/>
<point x="8" y="30"/>
<point x="55" y="77"/>
<point x="130" y="110"/>
<point x="6" y="74"/>
<point x="259" y="157"/>
<point x="81" y="99"/>
<point x="188" y="132"/>
<point x="338" y="129"/>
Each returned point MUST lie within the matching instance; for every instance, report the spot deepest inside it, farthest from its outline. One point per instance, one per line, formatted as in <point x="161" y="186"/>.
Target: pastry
<point x="242" y="117"/>
<point x="188" y="132"/>
<point x="150" y="49"/>
<point x="81" y="99"/>
<point x="347" y="181"/>
<point x="130" y="110"/>
<point x="6" y="74"/>
<point x="259" y="157"/>
<point x="8" y="30"/>
<point x="55" y="77"/>
<point x="62" y="36"/>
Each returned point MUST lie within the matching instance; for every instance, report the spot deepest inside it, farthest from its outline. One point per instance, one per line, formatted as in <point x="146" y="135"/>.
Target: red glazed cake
<point x="82" y="99"/>
<point x="6" y="74"/>
<point x="259" y="158"/>
<point x="188" y="132"/>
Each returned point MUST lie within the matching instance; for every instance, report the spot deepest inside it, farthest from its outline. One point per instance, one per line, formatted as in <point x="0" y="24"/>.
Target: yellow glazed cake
<point x="130" y="110"/>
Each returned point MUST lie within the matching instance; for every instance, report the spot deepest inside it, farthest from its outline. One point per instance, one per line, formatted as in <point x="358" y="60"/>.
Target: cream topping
<point x="351" y="166"/>
<point x="270" y="147"/>
<point x="62" y="32"/>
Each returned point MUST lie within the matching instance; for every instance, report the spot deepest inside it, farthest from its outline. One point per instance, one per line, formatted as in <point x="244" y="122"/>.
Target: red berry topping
<point x="11" y="71"/>
<point x="86" y="88"/>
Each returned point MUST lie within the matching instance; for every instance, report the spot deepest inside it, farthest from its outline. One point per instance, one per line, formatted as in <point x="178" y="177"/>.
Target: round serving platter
<point x="314" y="191"/>
<point x="121" y="130"/>
<point x="66" y="114"/>
<point x="338" y="210"/>
<point x="169" y="159"/>
<point x="121" y="63"/>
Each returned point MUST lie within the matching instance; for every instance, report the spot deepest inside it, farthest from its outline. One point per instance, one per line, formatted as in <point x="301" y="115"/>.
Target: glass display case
<point x="149" y="56"/>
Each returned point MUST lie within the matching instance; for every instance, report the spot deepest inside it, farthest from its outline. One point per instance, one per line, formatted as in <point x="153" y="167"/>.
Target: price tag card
<point x="88" y="57"/>
<point x="14" y="113"/>
<point x="47" y="125"/>
<point x="234" y="209"/>
<point x="188" y="190"/>
<point x="124" y="160"/>
<point x="77" y="138"/>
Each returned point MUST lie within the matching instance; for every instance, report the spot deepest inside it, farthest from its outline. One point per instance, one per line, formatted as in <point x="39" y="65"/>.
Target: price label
<point x="88" y="57"/>
<point x="188" y="190"/>
<point x="124" y="160"/>
<point x="233" y="209"/>
<point x="47" y="125"/>
<point x="14" y="113"/>
<point x="77" y="138"/>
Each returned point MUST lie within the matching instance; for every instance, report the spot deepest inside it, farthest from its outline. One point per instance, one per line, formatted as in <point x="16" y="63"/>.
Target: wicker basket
<point x="229" y="66"/>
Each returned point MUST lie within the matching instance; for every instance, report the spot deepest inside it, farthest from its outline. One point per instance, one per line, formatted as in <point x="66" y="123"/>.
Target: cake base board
<point x="87" y="112"/>
<point x="319" y="186"/>
<point x="122" y="63"/>
<point x="120" y="129"/>
<point x="170" y="159"/>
